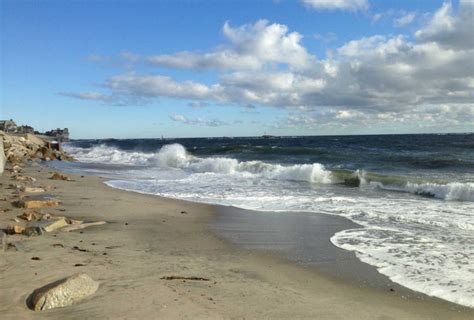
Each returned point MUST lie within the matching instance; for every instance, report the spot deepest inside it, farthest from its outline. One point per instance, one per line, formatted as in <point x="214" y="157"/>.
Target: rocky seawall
<point x="17" y="149"/>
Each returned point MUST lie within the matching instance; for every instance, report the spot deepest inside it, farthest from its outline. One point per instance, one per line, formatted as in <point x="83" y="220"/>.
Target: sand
<point x="147" y="238"/>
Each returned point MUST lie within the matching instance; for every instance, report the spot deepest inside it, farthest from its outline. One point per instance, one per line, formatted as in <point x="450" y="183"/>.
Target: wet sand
<point x="303" y="237"/>
<point x="148" y="237"/>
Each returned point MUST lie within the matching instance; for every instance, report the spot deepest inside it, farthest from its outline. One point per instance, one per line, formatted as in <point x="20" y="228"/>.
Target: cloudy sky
<point x="128" y="69"/>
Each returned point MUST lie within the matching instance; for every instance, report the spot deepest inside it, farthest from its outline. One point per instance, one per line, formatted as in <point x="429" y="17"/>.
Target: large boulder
<point x="35" y="141"/>
<point x="62" y="293"/>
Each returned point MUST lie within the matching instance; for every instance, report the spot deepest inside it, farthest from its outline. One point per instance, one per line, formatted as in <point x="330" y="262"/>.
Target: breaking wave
<point x="176" y="156"/>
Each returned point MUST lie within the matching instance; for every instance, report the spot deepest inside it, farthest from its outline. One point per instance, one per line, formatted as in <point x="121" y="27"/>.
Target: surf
<point x="176" y="156"/>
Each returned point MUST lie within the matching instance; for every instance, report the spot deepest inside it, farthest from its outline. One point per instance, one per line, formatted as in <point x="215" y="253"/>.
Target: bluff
<point x="20" y="148"/>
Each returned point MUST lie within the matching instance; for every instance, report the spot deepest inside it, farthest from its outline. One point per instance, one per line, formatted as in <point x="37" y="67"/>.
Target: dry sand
<point x="147" y="238"/>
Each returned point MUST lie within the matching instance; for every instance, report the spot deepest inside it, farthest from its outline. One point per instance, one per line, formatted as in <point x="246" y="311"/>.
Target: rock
<point x="32" y="189"/>
<point x="31" y="204"/>
<point x="17" y="169"/>
<point x="55" y="224"/>
<point x="18" y="149"/>
<point x="34" y="141"/>
<point x="32" y="216"/>
<point x="17" y="153"/>
<point x="24" y="178"/>
<point x="62" y="293"/>
<point x="32" y="231"/>
<point x="73" y="227"/>
<point x="40" y="201"/>
<point x="58" y="176"/>
<point x="15" y="229"/>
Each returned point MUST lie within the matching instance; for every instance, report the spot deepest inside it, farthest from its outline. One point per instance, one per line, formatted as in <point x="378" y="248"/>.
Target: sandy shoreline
<point x="147" y="238"/>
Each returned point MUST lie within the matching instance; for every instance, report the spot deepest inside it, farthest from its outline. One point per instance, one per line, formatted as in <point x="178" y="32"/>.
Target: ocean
<point x="413" y="194"/>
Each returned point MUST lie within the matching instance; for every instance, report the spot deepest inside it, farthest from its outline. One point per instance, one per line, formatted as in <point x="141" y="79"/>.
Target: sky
<point x="146" y="69"/>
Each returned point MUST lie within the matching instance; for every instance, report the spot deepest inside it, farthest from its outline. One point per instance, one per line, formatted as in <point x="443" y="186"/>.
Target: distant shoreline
<point x="282" y="136"/>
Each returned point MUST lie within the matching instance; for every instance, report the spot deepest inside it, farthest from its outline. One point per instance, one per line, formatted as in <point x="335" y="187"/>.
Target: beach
<point x="148" y="238"/>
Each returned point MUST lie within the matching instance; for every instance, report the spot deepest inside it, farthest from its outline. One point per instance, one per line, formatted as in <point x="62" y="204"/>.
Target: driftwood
<point x="184" y="278"/>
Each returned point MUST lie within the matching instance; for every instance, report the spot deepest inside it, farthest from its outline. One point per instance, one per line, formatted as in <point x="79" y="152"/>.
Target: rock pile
<point x="34" y="223"/>
<point x="18" y="149"/>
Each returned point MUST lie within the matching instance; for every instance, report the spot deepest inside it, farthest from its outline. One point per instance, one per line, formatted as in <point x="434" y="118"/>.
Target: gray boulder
<point x="62" y="293"/>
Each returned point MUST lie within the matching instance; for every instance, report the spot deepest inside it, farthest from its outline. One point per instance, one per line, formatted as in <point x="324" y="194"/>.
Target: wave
<point x="449" y="191"/>
<point x="176" y="156"/>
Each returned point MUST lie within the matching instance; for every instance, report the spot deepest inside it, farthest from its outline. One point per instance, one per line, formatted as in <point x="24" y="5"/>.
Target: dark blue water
<point x="424" y="153"/>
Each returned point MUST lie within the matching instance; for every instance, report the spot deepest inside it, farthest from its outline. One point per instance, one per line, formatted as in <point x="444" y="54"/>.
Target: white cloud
<point x="157" y="85"/>
<point x="448" y="30"/>
<point x="198" y="121"/>
<point x="405" y="19"/>
<point x="379" y="79"/>
<point x="430" y="118"/>
<point x="377" y="16"/>
<point x="350" y="5"/>
<point x="86" y="95"/>
<point x="251" y="47"/>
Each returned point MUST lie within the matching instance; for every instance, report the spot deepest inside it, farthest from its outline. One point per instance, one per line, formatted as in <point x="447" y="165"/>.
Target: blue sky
<point x="129" y="69"/>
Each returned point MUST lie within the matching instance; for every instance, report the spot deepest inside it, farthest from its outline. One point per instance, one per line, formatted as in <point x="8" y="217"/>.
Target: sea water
<point x="413" y="194"/>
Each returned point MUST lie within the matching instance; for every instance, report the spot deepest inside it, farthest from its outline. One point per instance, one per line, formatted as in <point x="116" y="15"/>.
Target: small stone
<point x="15" y="229"/>
<point x="18" y="229"/>
<point x="58" y="176"/>
<point x="34" y="216"/>
<point x="24" y="178"/>
<point x="62" y="293"/>
<point x="39" y="201"/>
<point x="31" y="204"/>
<point x="32" y="231"/>
<point x="32" y="189"/>
<point x="55" y="225"/>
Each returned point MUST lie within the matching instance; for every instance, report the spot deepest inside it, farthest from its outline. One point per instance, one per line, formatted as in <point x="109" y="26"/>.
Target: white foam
<point x="462" y="191"/>
<point x="176" y="156"/>
<point x="424" y="264"/>
<point x="110" y="155"/>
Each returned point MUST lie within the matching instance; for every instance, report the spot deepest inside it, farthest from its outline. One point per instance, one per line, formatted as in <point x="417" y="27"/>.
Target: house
<point x="60" y="135"/>
<point x="8" y="126"/>
<point x="25" y="129"/>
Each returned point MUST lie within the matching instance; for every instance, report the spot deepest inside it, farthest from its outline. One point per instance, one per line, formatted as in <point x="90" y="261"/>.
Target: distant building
<point x="60" y="135"/>
<point x="8" y="126"/>
<point x="25" y="129"/>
